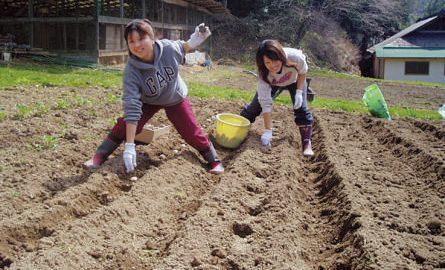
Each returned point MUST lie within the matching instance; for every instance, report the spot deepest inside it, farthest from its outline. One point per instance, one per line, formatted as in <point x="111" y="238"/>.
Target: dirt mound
<point x="371" y="198"/>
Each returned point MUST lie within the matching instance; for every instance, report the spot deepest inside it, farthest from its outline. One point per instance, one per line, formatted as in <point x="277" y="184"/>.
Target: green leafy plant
<point x="112" y="98"/>
<point x="41" y="109"/>
<point x="80" y="101"/>
<point x="92" y="113"/>
<point x="23" y="111"/>
<point x="62" y="104"/>
<point x="3" y="116"/>
<point x="15" y="193"/>
<point x="113" y="122"/>
<point x="64" y="125"/>
<point x="46" y="142"/>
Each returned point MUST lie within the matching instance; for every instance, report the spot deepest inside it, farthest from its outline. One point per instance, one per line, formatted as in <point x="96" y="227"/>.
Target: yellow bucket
<point x="231" y="129"/>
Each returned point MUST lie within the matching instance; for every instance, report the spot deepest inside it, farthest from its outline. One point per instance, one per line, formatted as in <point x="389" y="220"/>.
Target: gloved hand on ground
<point x="266" y="138"/>
<point x="129" y="157"/>
<point x="298" y="99"/>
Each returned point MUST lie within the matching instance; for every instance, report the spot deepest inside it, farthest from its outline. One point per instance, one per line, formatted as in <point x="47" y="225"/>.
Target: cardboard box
<point x="150" y="133"/>
<point x="195" y="58"/>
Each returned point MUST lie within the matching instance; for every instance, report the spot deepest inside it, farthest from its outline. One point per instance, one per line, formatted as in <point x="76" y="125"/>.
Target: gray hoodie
<point x="155" y="84"/>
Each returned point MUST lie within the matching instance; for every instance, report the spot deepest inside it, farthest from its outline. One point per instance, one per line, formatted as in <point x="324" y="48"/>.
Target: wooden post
<point x="64" y="37"/>
<point x="77" y="36"/>
<point x="64" y="34"/>
<point x="144" y="14"/>
<point x="187" y="16"/>
<point x="162" y="17"/>
<point x="30" y="16"/>
<point x="96" y="15"/>
<point x="121" y="8"/>
<point x="77" y="25"/>
<point x="175" y="14"/>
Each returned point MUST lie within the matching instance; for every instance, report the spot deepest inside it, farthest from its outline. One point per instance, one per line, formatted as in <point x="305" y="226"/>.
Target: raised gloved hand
<point x="130" y="157"/>
<point x="298" y="99"/>
<point x="201" y="33"/>
<point x="266" y="138"/>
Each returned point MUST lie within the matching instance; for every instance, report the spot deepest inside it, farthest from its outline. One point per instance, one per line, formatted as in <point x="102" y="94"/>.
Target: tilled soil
<point x="373" y="197"/>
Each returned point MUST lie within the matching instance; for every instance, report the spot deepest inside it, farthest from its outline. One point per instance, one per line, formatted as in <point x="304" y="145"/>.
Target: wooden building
<point x="416" y="53"/>
<point x="93" y="29"/>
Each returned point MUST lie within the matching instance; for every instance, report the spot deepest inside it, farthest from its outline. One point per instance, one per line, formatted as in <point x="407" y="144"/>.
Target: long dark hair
<point x="274" y="51"/>
<point x="142" y="26"/>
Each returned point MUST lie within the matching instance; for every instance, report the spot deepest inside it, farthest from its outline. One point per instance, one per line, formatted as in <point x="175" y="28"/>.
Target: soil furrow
<point x="398" y="218"/>
<point x="264" y="197"/>
<point x="94" y="190"/>
<point x="23" y="232"/>
<point x="135" y="229"/>
<point x="426" y="163"/>
<point x="251" y="220"/>
<point x="438" y="132"/>
<point x="332" y="238"/>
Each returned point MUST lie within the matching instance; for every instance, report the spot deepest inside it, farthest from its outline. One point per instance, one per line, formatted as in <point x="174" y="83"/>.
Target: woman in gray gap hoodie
<point x="152" y="82"/>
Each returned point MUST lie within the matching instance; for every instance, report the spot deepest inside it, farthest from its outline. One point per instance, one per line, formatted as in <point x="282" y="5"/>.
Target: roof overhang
<point x="398" y="52"/>
<point x="402" y="33"/>
<point x="211" y="5"/>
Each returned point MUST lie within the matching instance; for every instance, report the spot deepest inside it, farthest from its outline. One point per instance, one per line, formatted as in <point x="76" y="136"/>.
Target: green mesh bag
<point x="374" y="100"/>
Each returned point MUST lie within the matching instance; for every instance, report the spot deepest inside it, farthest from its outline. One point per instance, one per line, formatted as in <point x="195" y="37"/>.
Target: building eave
<point x="410" y="52"/>
<point x="401" y="34"/>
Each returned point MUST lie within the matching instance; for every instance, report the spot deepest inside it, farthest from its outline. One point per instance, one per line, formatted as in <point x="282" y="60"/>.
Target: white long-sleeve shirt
<point x="287" y="76"/>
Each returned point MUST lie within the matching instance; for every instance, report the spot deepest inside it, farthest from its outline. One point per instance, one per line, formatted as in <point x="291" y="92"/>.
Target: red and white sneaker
<point x="95" y="162"/>
<point x="217" y="167"/>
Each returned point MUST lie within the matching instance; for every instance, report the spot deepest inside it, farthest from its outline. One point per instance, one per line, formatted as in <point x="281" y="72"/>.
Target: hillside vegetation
<point x="334" y="34"/>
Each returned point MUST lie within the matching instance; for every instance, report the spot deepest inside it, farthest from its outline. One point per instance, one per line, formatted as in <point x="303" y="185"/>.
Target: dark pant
<point x="302" y="116"/>
<point x="182" y="117"/>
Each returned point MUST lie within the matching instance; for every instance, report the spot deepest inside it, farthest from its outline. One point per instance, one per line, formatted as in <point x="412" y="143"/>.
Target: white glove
<point x="198" y="36"/>
<point x="130" y="157"/>
<point x="298" y="99"/>
<point x="266" y="138"/>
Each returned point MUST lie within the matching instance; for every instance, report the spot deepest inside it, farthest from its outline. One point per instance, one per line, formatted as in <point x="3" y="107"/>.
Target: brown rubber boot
<point x="306" y="136"/>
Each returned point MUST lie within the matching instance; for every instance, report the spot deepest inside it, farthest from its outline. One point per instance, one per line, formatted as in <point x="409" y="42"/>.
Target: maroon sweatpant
<point x="182" y="117"/>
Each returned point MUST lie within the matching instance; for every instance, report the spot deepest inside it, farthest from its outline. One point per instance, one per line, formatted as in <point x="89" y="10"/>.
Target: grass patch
<point x="340" y="105"/>
<point x="226" y="93"/>
<point x="26" y="111"/>
<point x="414" y="113"/>
<point x="318" y="72"/>
<point x="57" y="75"/>
<point x="64" y="76"/>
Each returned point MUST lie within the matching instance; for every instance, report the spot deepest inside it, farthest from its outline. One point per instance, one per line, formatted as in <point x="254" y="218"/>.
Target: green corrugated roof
<point x="409" y="52"/>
